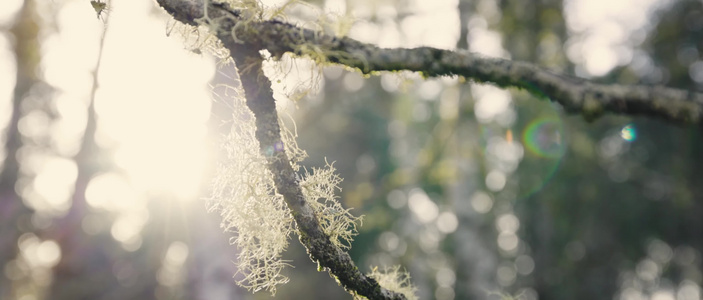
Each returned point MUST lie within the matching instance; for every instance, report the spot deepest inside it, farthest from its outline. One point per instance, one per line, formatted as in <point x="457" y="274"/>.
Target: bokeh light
<point x="545" y="146"/>
<point x="544" y="138"/>
<point x="603" y="32"/>
<point x="422" y="206"/>
<point x="481" y="202"/>
<point x="152" y="118"/>
<point x="629" y="133"/>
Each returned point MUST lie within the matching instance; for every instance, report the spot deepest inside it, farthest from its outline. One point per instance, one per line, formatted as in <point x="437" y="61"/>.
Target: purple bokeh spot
<point x="278" y="146"/>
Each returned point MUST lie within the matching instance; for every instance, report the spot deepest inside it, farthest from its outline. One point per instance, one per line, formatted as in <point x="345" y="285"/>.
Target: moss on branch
<point x="576" y="95"/>
<point x="320" y="247"/>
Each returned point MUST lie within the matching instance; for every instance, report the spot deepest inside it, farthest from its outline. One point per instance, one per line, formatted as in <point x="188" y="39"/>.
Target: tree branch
<point x="259" y="99"/>
<point x="574" y="94"/>
<point x="259" y="95"/>
<point x="246" y="37"/>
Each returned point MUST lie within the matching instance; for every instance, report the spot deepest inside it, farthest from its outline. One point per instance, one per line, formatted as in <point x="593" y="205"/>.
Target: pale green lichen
<point x="244" y="194"/>
<point x="293" y="77"/>
<point x="394" y="280"/>
<point x="294" y="153"/>
<point x="244" y="190"/>
<point x="198" y="40"/>
<point x="319" y="189"/>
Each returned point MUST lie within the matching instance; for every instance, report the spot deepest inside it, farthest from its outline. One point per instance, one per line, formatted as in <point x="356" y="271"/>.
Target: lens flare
<point x="629" y="133"/>
<point x="545" y="144"/>
<point x="543" y="137"/>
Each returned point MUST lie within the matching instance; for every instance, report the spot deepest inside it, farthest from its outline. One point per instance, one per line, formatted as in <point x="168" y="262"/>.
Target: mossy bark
<point x="576" y="95"/>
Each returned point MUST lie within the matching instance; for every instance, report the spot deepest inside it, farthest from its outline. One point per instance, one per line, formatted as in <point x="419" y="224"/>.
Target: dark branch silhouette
<point x="576" y="95"/>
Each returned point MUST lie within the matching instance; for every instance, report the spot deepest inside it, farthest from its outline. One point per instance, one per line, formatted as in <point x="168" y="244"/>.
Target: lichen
<point x="319" y="187"/>
<point x="244" y="195"/>
<point x="394" y="280"/>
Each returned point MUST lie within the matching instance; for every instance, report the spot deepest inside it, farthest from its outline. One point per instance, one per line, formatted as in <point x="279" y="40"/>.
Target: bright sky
<point x="153" y="103"/>
<point x="153" y="100"/>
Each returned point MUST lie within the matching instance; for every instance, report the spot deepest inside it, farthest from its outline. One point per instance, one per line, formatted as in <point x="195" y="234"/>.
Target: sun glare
<point x="153" y="106"/>
<point x="152" y="103"/>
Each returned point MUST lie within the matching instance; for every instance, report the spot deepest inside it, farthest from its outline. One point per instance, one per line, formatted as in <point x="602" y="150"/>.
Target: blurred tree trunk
<point x="524" y="27"/>
<point x="88" y="265"/>
<point x="14" y="215"/>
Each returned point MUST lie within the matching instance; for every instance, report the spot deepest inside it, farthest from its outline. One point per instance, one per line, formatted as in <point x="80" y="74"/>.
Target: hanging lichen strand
<point x="244" y="194"/>
<point x="261" y="193"/>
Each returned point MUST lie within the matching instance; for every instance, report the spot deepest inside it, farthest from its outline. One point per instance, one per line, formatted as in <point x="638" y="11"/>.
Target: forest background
<point x="477" y="191"/>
